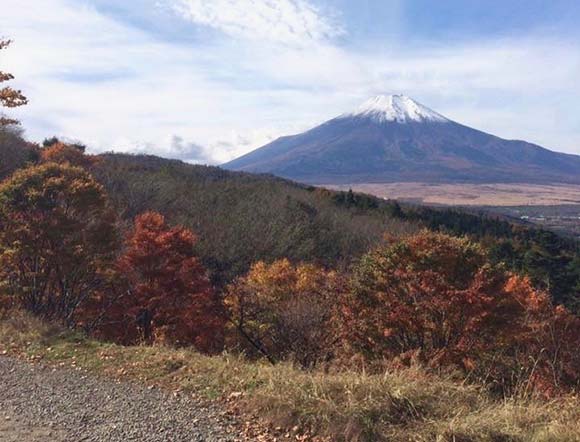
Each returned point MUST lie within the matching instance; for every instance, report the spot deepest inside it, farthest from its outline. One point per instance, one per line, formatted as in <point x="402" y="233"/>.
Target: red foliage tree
<point x="546" y="348"/>
<point x="169" y="296"/>
<point x="435" y="299"/>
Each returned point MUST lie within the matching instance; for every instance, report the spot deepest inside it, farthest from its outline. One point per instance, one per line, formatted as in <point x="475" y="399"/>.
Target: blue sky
<point x="207" y="80"/>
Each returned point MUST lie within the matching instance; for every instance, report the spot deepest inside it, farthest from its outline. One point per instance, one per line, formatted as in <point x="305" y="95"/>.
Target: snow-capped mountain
<point x="394" y="138"/>
<point x="398" y="108"/>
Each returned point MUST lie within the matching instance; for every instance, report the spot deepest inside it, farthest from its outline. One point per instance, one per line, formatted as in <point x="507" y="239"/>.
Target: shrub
<point x="62" y="153"/>
<point x="284" y="311"/>
<point x="434" y="299"/>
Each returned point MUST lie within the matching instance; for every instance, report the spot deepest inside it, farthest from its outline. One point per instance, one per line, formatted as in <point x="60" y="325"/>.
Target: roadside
<point x="40" y="403"/>
<point x="54" y="370"/>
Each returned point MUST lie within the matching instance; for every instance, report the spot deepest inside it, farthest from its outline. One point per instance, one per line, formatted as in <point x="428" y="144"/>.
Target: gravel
<point x="39" y="403"/>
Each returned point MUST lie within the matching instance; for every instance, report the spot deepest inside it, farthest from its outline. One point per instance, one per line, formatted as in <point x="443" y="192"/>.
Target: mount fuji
<point x="396" y="139"/>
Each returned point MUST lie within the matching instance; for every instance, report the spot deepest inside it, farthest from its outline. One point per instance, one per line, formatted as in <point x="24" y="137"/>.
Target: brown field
<point x="500" y="194"/>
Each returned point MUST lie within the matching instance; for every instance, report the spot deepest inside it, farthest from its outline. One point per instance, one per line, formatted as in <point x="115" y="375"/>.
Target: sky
<point x="208" y="80"/>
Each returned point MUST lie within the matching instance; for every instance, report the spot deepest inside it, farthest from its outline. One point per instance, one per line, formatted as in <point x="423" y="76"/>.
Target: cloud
<point x="190" y="152"/>
<point x="293" y="22"/>
<point x="175" y="147"/>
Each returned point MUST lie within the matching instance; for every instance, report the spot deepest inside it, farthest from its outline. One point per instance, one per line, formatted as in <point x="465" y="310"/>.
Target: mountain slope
<point x="241" y="218"/>
<point x="393" y="138"/>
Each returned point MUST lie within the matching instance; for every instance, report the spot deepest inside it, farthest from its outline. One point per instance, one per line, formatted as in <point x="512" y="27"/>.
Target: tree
<point x="62" y="153"/>
<point x="9" y="97"/>
<point x="545" y="350"/>
<point x="15" y="152"/>
<point x="57" y="235"/>
<point x="284" y="311"/>
<point x="435" y="299"/>
<point x="49" y="142"/>
<point x="170" y="298"/>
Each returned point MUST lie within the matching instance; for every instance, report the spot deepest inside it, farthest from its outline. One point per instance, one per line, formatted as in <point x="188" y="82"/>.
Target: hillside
<point x="354" y="349"/>
<point x="395" y="139"/>
<point x="241" y="218"/>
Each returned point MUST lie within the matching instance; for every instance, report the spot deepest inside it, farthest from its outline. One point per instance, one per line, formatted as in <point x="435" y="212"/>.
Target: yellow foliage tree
<point x="284" y="310"/>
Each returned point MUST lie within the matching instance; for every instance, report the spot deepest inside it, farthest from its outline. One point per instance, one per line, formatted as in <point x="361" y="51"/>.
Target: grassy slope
<point x="406" y="405"/>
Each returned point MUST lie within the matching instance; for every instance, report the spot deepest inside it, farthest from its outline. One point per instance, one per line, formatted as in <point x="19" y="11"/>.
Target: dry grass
<point x="406" y="405"/>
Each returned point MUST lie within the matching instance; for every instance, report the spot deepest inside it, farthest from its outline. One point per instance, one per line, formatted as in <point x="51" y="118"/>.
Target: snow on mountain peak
<point x="396" y="108"/>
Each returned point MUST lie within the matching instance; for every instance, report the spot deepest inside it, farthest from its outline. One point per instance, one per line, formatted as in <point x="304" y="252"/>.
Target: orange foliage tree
<point x="545" y="352"/>
<point x="169" y="296"/>
<point x="434" y="299"/>
<point x="284" y="310"/>
<point x="57" y="235"/>
<point x="9" y="97"/>
<point x="63" y="153"/>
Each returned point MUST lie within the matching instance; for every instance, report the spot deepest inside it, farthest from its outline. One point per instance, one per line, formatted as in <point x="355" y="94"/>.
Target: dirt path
<point x="45" y="404"/>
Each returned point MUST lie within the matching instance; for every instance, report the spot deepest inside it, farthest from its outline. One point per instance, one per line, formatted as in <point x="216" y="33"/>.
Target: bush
<point x="284" y="311"/>
<point x="62" y="153"/>
<point x="435" y="300"/>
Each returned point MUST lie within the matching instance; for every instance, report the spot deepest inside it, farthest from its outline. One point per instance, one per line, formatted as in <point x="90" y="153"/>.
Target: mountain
<point x="396" y="139"/>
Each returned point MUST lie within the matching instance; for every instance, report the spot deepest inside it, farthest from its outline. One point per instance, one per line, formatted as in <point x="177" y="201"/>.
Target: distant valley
<point x="555" y="207"/>
<point x="467" y="194"/>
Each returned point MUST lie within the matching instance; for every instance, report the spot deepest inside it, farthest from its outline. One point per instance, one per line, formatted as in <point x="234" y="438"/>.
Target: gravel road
<point x="43" y="404"/>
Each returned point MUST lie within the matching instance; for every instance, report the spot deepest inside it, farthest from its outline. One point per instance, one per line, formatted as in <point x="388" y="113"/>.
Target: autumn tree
<point x="434" y="299"/>
<point x="9" y="97"/>
<point x="169" y="296"/>
<point x="284" y="310"/>
<point x="63" y="153"/>
<point x="15" y="152"/>
<point x="406" y="297"/>
<point x="544" y="353"/>
<point x="57" y="235"/>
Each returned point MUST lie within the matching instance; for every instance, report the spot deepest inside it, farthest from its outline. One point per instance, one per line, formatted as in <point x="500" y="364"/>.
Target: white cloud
<point x="177" y="148"/>
<point x="294" y="22"/>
